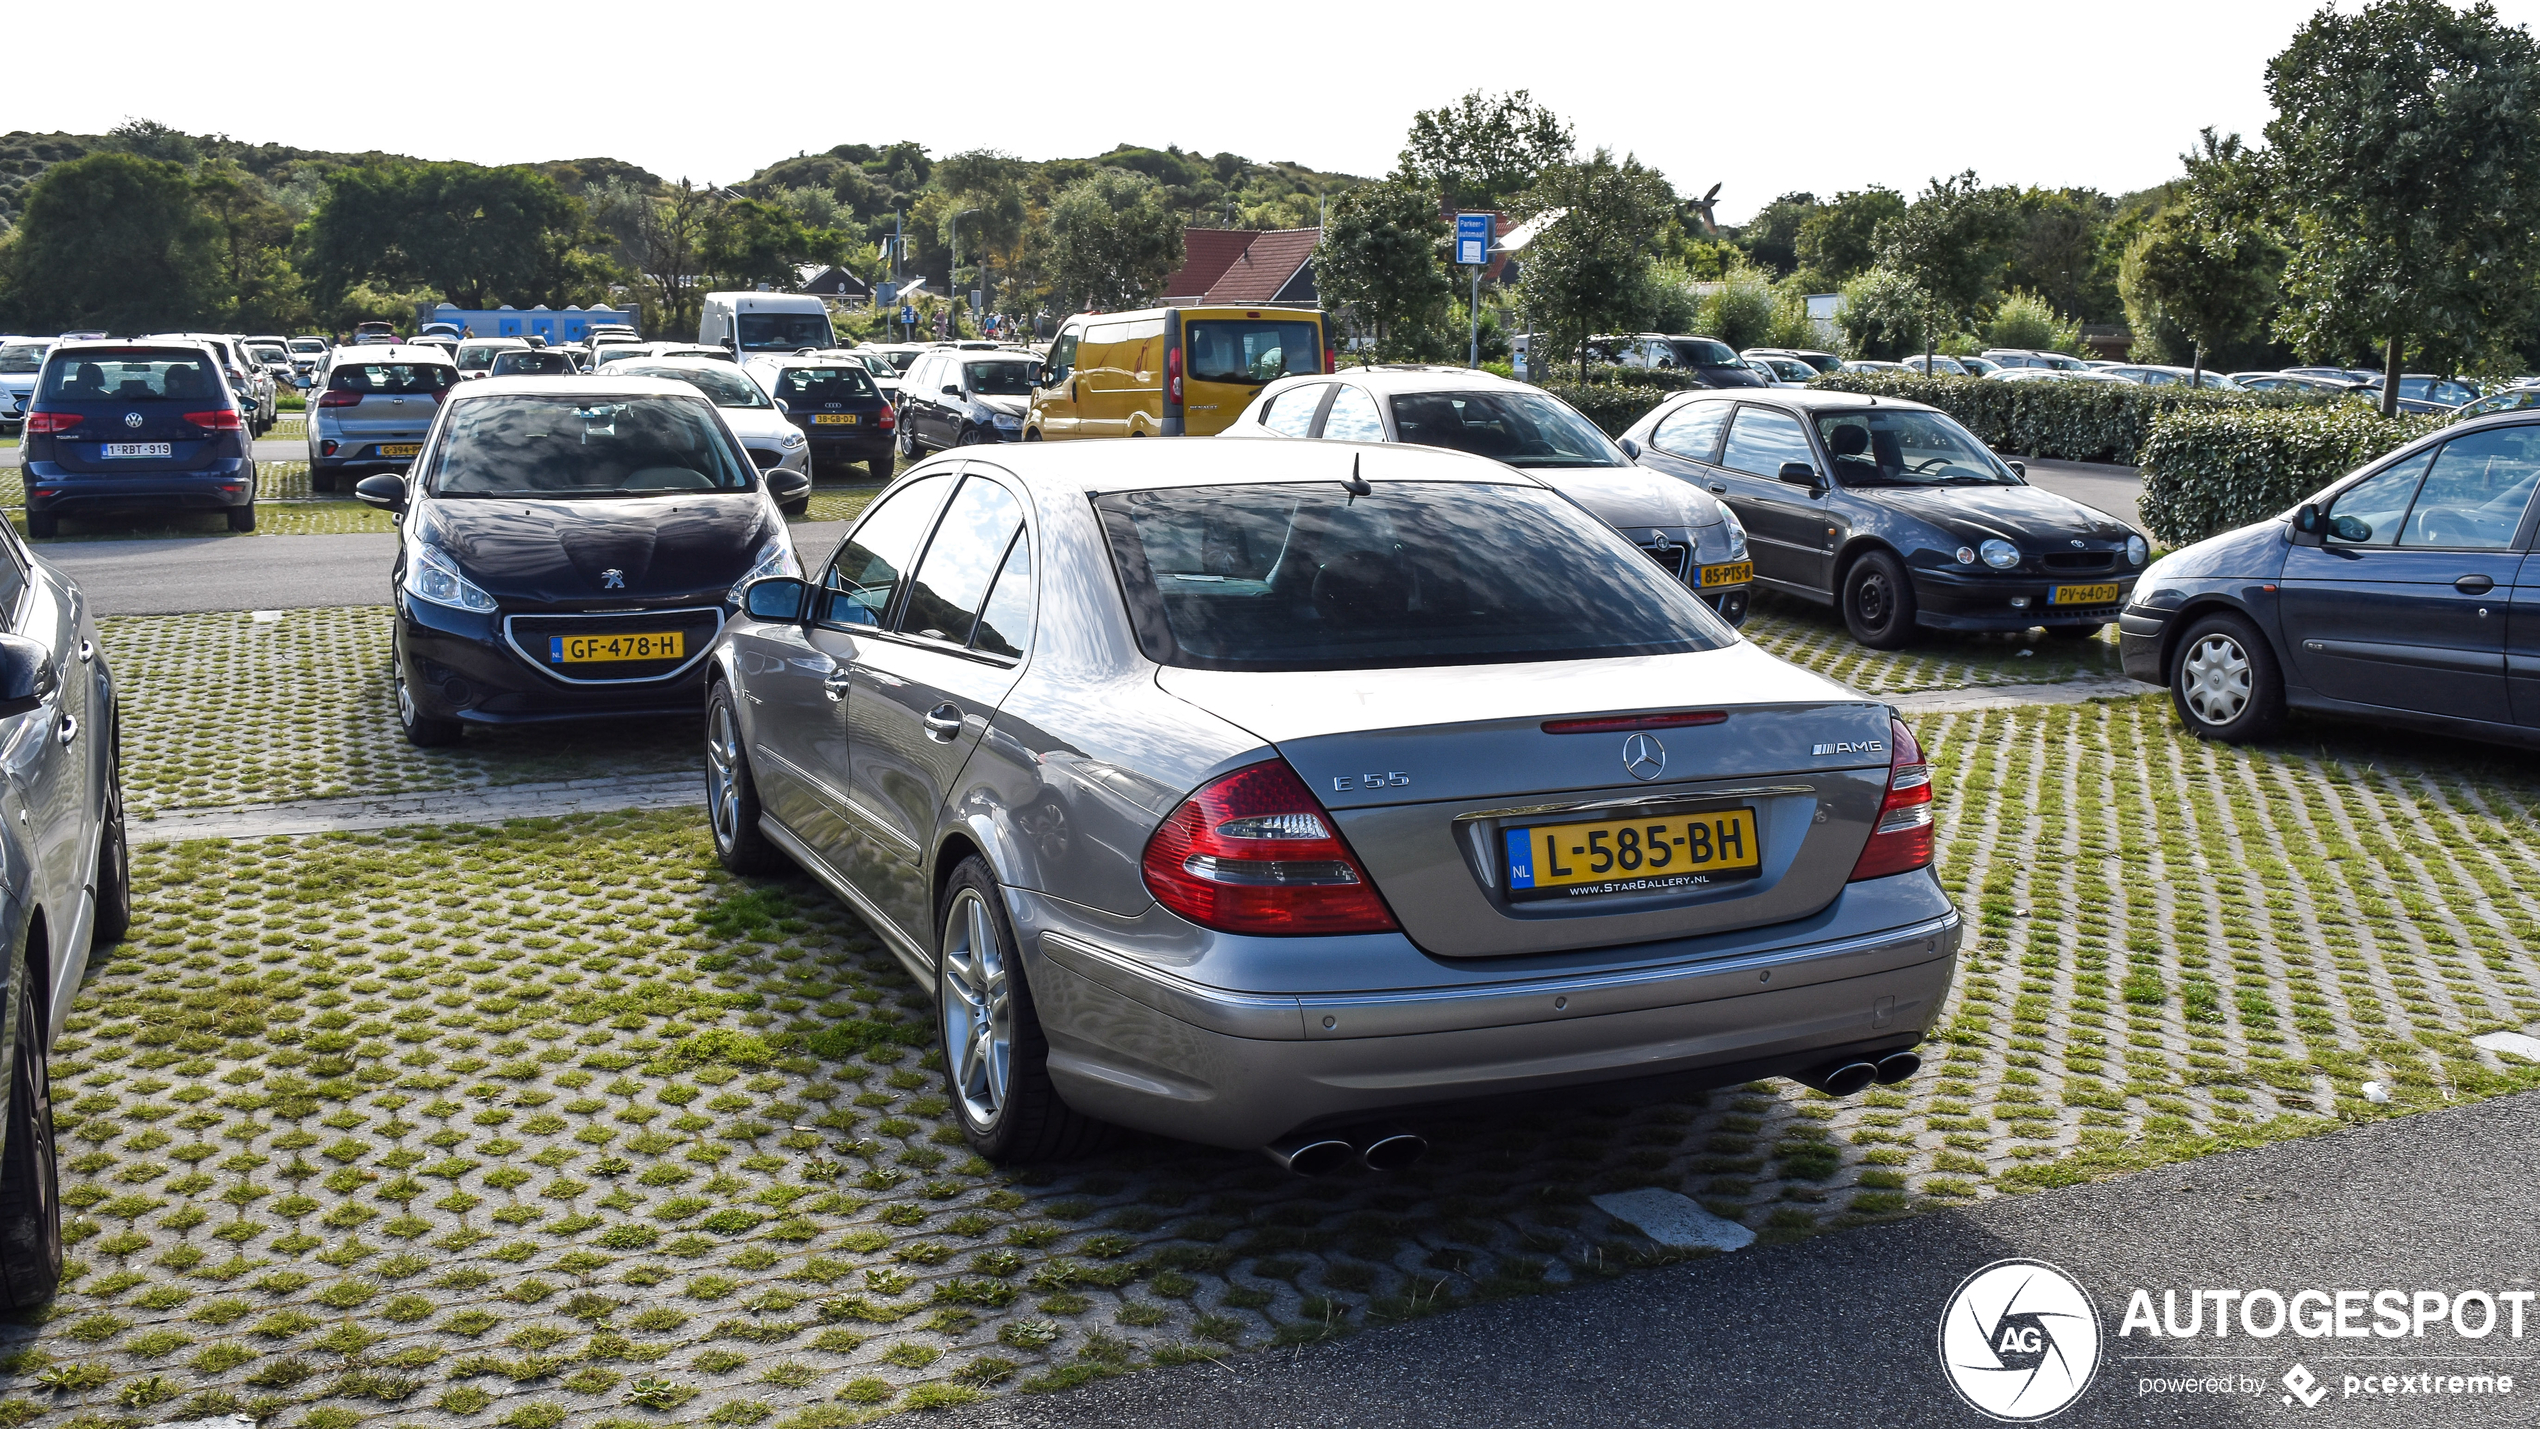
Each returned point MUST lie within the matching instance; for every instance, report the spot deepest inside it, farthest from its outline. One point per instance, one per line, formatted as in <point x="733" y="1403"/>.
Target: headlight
<point x="1008" y="422"/>
<point x="431" y="575"/>
<point x="793" y="440"/>
<point x="2137" y="550"/>
<point x="776" y="558"/>
<point x="2001" y="555"/>
<point x="1737" y="533"/>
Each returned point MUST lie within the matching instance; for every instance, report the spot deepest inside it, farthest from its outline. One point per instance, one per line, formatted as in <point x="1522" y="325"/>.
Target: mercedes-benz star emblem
<point x="612" y="580"/>
<point x="1644" y="756"/>
<point x="132" y="419"/>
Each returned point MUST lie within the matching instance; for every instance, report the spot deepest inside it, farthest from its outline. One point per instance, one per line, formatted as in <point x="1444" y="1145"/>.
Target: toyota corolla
<point x="572" y="546"/>
<point x="1266" y="793"/>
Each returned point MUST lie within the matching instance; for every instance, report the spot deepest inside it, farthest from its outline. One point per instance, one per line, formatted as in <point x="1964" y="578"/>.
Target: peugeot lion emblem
<point x="612" y="580"/>
<point x="132" y="419"/>
<point x="2079" y="544"/>
<point x="1644" y="756"/>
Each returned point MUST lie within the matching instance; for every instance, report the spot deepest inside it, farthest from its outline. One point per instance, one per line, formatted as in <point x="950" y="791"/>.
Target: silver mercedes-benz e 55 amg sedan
<point x="1265" y="793"/>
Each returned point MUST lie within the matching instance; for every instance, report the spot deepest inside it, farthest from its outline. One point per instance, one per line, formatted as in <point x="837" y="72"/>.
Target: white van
<point x="747" y="323"/>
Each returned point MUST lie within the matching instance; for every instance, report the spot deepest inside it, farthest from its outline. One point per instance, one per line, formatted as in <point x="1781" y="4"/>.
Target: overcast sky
<point x="1761" y="98"/>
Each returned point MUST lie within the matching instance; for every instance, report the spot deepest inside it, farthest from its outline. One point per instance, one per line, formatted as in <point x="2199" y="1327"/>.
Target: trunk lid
<point x="1443" y="779"/>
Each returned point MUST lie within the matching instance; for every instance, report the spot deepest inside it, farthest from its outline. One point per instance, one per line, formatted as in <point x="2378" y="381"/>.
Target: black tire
<point x="114" y="856"/>
<point x="30" y="1190"/>
<point x="1031" y="434"/>
<point x="1878" y="601"/>
<point x="732" y="808"/>
<point x="421" y="730"/>
<point x="2071" y="632"/>
<point x="1025" y="1120"/>
<point x="881" y="467"/>
<point x="43" y="524"/>
<point x="243" y="518"/>
<point x="2224" y="681"/>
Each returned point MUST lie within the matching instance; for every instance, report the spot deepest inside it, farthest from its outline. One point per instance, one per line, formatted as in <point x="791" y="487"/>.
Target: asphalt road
<point x="2116" y="490"/>
<point x="1843" y="1329"/>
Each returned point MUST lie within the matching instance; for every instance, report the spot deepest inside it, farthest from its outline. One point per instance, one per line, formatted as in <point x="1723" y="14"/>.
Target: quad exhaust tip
<point x="1322" y="1153"/>
<point x="1311" y="1155"/>
<point x="1391" y="1149"/>
<point x="1897" y="1066"/>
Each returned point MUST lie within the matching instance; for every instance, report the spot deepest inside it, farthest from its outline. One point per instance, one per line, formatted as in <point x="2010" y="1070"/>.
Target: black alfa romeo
<point x="1894" y="513"/>
<point x="572" y="546"/>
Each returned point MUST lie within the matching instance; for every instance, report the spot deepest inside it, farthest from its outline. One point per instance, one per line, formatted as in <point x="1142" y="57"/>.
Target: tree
<point x="150" y="139"/>
<point x="2208" y="262"/>
<point x="1112" y="241"/>
<point x="747" y="242"/>
<point x="1885" y="314"/>
<point x="1771" y="239"/>
<point x="2060" y="251"/>
<point x="1378" y="261"/>
<point x="118" y="242"/>
<point x="1951" y="241"/>
<point x="1588" y="271"/>
<point x="660" y="239"/>
<point x="259" y="290"/>
<point x="1840" y="238"/>
<point x="1483" y="150"/>
<point x="2408" y="140"/>
<point x="477" y="236"/>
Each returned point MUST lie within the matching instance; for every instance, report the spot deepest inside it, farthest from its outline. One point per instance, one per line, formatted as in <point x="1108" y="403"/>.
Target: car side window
<point x="1291" y="413"/>
<point x="2475" y="492"/>
<point x="866" y="573"/>
<point x="2370" y="512"/>
<point x="1353" y="417"/>
<point x="1063" y="357"/>
<point x="1005" y="623"/>
<point x="951" y="585"/>
<point x="1692" y="431"/>
<point x="1760" y="440"/>
<point x="12" y="582"/>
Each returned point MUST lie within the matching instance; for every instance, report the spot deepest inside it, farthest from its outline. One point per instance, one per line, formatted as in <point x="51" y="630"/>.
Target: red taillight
<point x="339" y="397"/>
<point x="890" y="417"/>
<point x="1254" y="852"/>
<point x="223" y="420"/>
<point x="1331" y="359"/>
<point x="1901" y="840"/>
<point x="1173" y="377"/>
<point x="40" y="424"/>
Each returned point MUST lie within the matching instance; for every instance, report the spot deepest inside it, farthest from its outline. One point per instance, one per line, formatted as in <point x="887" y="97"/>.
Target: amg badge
<point x="1866" y="746"/>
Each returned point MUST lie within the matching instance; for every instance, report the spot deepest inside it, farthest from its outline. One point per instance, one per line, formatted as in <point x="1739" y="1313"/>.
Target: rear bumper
<point x="51" y="490"/>
<point x="359" y="451"/>
<point x="1132" y="1043"/>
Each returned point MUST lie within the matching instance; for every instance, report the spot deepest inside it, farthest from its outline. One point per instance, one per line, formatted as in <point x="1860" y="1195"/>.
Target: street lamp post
<point x="952" y="278"/>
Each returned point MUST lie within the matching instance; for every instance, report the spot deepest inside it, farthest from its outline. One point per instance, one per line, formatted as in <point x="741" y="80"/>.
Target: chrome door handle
<point x="87" y="652"/>
<point x="835" y="686"/>
<point x="943" y="723"/>
<point x="69" y="730"/>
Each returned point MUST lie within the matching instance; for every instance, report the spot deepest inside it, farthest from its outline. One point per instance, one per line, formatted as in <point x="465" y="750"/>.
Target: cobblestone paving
<point x="225" y="709"/>
<point x="1813" y="636"/>
<point x="510" y="1126"/>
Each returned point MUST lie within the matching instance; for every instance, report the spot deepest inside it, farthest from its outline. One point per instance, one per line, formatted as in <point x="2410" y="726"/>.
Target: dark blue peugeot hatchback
<point x="124" y="426"/>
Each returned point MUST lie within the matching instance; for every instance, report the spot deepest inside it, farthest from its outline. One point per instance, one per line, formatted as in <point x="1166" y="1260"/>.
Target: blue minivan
<point x="136" y="426"/>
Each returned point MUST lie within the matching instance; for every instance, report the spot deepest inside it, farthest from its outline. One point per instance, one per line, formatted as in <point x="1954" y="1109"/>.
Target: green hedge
<point x="2067" y="421"/>
<point x="1613" y="406"/>
<point x="2205" y="472"/>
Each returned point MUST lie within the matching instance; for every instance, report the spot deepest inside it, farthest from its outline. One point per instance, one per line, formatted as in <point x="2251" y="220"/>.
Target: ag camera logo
<point x="2019" y="1340"/>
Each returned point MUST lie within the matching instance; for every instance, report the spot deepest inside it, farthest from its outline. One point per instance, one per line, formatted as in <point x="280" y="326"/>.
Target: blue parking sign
<point x="907" y="314"/>
<point x="1472" y="239"/>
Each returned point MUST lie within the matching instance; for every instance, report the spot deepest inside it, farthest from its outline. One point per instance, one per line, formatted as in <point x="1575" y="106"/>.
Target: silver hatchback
<point x="1266" y="793"/>
<point x="378" y="401"/>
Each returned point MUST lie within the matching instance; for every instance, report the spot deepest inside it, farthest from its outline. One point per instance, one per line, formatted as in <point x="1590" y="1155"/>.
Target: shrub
<point x="1740" y="311"/>
<point x="1613" y="406"/>
<point x="2070" y="421"/>
<point x="2029" y="321"/>
<point x="2206" y="471"/>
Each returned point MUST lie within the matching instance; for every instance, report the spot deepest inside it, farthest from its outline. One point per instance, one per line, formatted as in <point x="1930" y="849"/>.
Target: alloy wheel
<point x="978" y="1010"/>
<point x="723" y="775"/>
<point x="2215" y="679"/>
<point x="405" y="701"/>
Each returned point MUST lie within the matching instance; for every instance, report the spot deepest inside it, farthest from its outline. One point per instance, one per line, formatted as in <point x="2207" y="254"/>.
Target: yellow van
<point x="1168" y="372"/>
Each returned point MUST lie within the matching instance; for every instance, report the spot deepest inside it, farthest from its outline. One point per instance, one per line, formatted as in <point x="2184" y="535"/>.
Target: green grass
<point x="1812" y="635"/>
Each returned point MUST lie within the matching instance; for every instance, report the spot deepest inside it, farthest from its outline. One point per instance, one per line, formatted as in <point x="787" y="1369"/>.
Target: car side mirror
<point x="1799" y="473"/>
<point x="777" y="598"/>
<point x="2018" y="469"/>
<point x="781" y="406"/>
<point x="1630" y="448"/>
<point x="26" y="675"/>
<point x="1044" y="377"/>
<point x="2310" y="526"/>
<point x="952" y="389"/>
<point x="787" y="485"/>
<point x="387" y="490"/>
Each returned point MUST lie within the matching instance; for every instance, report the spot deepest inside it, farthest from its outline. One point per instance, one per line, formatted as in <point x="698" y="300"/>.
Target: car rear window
<point x="1309" y="577"/>
<point x="1250" y="350"/>
<point x="825" y="386"/>
<point x="531" y="362"/>
<point x="783" y="332"/>
<point x="566" y="446"/>
<point x="1704" y="352"/>
<point x="998" y="379"/>
<point x="1527" y="429"/>
<point x="481" y="354"/>
<point x="132" y="375"/>
<point x="395" y="379"/>
<point x="21" y="357"/>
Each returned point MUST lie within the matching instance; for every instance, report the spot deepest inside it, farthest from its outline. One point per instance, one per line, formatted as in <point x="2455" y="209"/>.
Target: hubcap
<point x="405" y="701"/>
<point x="723" y="775"/>
<point x="2214" y="679"/>
<point x="978" y="1010"/>
<point x="1872" y="600"/>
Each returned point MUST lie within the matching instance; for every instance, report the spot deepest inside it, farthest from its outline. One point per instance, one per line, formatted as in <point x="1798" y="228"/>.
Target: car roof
<point x="394" y="352"/>
<point x="1073" y="470"/>
<point x="1804" y="399"/>
<point x="100" y="344"/>
<point x="598" y="385"/>
<point x="1409" y="377"/>
<point x="676" y="364"/>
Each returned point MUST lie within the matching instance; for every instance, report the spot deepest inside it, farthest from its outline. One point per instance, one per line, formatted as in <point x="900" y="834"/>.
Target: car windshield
<point x="1250" y="350"/>
<point x="269" y="353"/>
<point x="1703" y="352"/>
<point x="584" y="446"/>
<point x="801" y="387"/>
<point x="1520" y="428"/>
<point x="307" y="344"/>
<point x="132" y="375"/>
<point x="722" y="388"/>
<point x="481" y="354"/>
<point x="1899" y="447"/>
<point x="783" y="332"/>
<point x="396" y="379"/>
<point x="997" y="379"/>
<point x="1310" y="577"/>
<point x="21" y="357"/>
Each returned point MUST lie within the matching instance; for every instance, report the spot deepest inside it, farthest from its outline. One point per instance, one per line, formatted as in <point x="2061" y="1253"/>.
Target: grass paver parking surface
<point x="1812" y="635"/>
<point x="508" y="1126"/>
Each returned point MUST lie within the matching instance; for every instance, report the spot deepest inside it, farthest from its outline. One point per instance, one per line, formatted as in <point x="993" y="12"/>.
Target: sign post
<point x="1472" y="249"/>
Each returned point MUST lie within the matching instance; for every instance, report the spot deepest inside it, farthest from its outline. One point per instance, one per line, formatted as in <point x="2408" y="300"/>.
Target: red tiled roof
<point x="1206" y="254"/>
<point x="1266" y="266"/>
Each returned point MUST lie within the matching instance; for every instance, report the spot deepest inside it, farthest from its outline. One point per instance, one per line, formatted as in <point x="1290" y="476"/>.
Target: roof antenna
<point x="1356" y="485"/>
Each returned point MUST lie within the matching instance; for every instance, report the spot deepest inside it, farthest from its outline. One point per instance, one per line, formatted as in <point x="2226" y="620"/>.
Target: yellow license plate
<point x="2084" y="595"/>
<point x="1734" y="573"/>
<point x="600" y="649"/>
<point x="1632" y="855"/>
<point x="833" y="419"/>
<point x="403" y="449"/>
